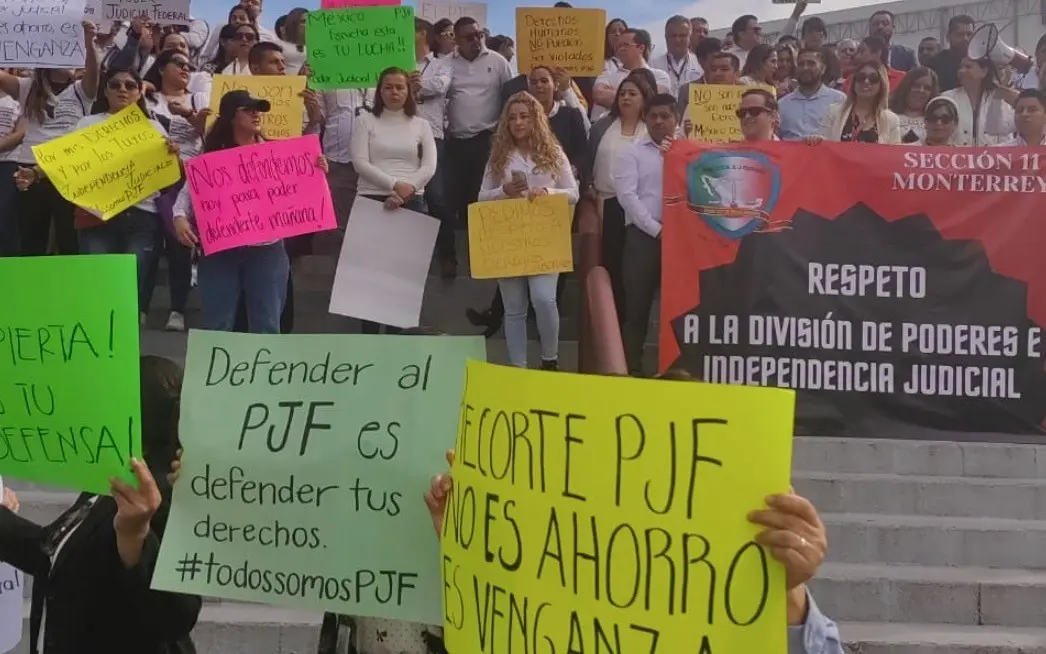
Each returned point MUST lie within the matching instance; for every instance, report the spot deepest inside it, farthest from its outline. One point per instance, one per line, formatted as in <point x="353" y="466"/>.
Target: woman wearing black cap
<point x="258" y="272"/>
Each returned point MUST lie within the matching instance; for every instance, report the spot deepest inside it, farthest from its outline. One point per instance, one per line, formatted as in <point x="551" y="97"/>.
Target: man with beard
<point x="803" y="111"/>
<point x="899" y="57"/>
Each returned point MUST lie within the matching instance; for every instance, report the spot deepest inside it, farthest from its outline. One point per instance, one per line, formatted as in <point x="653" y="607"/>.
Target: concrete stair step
<point x="234" y="628"/>
<point x="936" y="540"/>
<point x="1021" y="499"/>
<point x="938" y="595"/>
<point x="910" y="457"/>
<point x="897" y="638"/>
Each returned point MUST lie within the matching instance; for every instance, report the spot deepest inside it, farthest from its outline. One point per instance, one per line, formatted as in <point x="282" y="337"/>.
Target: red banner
<point x="896" y="284"/>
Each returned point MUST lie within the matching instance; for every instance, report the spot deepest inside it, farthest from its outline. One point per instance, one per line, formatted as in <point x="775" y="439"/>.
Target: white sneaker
<point x="142" y="317"/>
<point x="175" y="322"/>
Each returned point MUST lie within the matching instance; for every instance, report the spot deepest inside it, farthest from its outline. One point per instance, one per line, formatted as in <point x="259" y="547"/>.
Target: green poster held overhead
<point x="69" y="379"/>
<point x="306" y="460"/>
<point x="348" y="48"/>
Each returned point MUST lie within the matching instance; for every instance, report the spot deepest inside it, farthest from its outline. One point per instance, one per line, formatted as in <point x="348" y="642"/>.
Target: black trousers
<point x="40" y="206"/>
<point x="642" y="280"/>
<point x="614" y="252"/>
<point x="467" y="162"/>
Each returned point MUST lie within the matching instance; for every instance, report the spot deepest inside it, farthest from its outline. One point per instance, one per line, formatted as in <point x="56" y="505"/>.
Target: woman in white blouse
<point x="527" y="161"/>
<point x="293" y="40"/>
<point x="985" y="108"/>
<point x="394" y="152"/>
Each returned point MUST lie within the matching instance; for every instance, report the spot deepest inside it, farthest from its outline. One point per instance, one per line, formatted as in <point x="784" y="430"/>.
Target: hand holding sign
<point x="135" y="507"/>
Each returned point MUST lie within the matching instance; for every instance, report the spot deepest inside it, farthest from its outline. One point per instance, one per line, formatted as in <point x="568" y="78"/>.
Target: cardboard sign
<point x="572" y="39"/>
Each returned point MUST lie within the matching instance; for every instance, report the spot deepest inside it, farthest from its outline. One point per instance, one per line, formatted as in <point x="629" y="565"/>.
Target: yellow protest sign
<point x="607" y="514"/>
<point x="111" y="165"/>
<point x="512" y="238"/>
<point x="713" y="111"/>
<point x="285" y="119"/>
<point x="572" y="39"/>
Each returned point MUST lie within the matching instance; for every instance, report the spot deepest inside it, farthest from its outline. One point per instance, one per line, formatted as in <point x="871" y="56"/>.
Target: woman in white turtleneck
<point x="393" y="151"/>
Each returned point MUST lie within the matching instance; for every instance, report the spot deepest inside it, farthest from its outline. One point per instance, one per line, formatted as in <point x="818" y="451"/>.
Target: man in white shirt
<point x="431" y="81"/>
<point x="633" y="51"/>
<point x="746" y="34"/>
<point x="679" y="62"/>
<point x="638" y="180"/>
<point x="473" y="110"/>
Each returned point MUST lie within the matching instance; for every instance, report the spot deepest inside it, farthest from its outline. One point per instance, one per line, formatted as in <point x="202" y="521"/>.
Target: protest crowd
<point x="457" y="129"/>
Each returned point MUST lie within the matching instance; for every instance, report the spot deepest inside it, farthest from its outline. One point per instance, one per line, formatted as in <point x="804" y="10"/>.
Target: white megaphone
<point x="986" y="44"/>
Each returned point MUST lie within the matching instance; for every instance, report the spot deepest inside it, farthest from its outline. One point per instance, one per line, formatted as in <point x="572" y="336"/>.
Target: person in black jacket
<point x="571" y="130"/>
<point x="92" y="566"/>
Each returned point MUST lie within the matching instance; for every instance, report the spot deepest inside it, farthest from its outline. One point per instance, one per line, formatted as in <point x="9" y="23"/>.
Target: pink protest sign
<point x="259" y="193"/>
<point x="341" y="4"/>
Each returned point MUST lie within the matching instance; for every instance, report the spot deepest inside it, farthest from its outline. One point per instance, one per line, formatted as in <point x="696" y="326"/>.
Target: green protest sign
<point x="348" y="48"/>
<point x="306" y="461"/>
<point x="69" y="382"/>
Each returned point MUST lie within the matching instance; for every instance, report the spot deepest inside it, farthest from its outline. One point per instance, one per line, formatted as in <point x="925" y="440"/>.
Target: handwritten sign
<point x="332" y="437"/>
<point x="69" y="390"/>
<point x="613" y="510"/>
<point x="42" y="33"/>
<point x="572" y="39"/>
<point x="161" y="12"/>
<point x="436" y="10"/>
<point x="340" y="4"/>
<point x="259" y="193"/>
<point x="285" y="119"/>
<point x="510" y="238"/>
<point x="348" y="48"/>
<point x="111" y="165"/>
<point x="713" y="111"/>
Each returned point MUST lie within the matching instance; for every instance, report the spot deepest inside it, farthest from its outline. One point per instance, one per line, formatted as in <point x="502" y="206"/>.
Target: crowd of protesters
<point x="437" y="139"/>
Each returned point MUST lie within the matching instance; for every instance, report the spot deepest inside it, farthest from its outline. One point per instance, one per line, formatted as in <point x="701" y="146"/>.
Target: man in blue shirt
<point x="803" y="111"/>
<point x="638" y="178"/>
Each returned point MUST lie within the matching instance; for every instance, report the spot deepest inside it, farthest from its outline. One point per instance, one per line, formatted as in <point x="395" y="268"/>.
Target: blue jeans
<point x="130" y="232"/>
<point x="439" y="208"/>
<point x="542" y="293"/>
<point x="258" y="273"/>
<point x="10" y="244"/>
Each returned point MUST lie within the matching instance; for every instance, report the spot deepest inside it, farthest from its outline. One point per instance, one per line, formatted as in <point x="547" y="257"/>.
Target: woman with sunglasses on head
<point x="863" y="117"/>
<point x="394" y="152"/>
<point x="985" y="108"/>
<point x="909" y="102"/>
<point x="53" y="100"/>
<point x="184" y="114"/>
<point x="256" y="272"/>
<point x="942" y="117"/>
<point x="133" y="230"/>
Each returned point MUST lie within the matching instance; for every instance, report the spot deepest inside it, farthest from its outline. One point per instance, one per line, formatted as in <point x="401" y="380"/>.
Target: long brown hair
<point x="899" y="98"/>
<point x="544" y="147"/>
<point x="411" y="106"/>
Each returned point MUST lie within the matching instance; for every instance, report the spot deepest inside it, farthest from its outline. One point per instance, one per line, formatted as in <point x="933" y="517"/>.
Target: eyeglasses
<point x="447" y="34"/>
<point x="940" y="119"/>
<point x="867" y="78"/>
<point x="181" y="63"/>
<point x="246" y="36"/>
<point x="754" y="112"/>
<point x="126" y="85"/>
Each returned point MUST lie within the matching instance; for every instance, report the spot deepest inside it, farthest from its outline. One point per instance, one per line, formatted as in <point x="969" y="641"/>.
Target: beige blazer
<point x="888" y="124"/>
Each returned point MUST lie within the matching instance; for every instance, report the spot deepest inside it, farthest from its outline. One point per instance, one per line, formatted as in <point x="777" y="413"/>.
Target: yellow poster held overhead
<point x="713" y="111"/>
<point x="607" y="514"/>
<point x="512" y="238"/>
<point x="287" y="116"/>
<point x="572" y="39"/>
<point x="111" y="165"/>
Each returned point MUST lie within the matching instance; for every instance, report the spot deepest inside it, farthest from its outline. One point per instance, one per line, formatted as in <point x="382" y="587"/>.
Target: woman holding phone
<point x="526" y="161"/>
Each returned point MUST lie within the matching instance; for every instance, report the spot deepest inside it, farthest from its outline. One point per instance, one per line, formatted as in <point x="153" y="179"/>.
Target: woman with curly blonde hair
<point x="526" y="160"/>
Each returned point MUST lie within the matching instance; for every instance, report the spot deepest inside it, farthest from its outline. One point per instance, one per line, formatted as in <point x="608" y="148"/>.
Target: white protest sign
<point x="434" y="10"/>
<point x="10" y="603"/>
<point x="42" y="34"/>
<point x="159" y="12"/>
